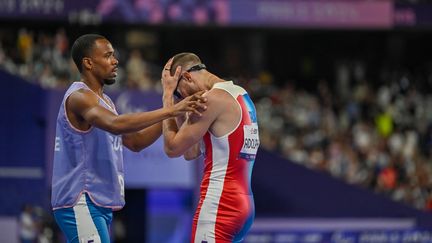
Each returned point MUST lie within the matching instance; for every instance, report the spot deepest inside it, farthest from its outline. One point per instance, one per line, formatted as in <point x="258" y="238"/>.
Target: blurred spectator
<point x="25" y="45"/>
<point x="27" y="224"/>
<point x="61" y="42"/>
<point x="45" y="225"/>
<point x="119" y="229"/>
<point x="137" y="73"/>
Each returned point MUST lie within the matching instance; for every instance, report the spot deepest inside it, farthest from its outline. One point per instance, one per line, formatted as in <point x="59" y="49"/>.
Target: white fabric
<point x="205" y="230"/>
<point x="87" y="231"/>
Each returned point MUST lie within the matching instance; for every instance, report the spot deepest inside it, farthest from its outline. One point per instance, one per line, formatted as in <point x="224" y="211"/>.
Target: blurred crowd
<point x="377" y="135"/>
<point x="44" y="58"/>
<point x="36" y="225"/>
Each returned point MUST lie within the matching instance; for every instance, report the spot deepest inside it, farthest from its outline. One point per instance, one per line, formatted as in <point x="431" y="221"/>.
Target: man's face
<point x="182" y="88"/>
<point x="186" y="85"/>
<point x="104" y="62"/>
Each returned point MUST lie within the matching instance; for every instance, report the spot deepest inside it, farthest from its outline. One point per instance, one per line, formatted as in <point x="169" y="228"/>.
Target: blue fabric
<point x="65" y="218"/>
<point x="102" y="218"/>
<point x="90" y="161"/>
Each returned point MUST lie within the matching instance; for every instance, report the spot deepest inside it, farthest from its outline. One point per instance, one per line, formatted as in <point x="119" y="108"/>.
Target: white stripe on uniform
<point x="207" y="218"/>
<point x="87" y="232"/>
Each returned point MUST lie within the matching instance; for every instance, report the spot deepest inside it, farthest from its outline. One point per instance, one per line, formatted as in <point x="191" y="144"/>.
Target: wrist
<point x="171" y="111"/>
<point x="168" y="104"/>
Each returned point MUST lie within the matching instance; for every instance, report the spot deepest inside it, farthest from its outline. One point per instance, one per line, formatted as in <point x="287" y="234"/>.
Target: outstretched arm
<point x="141" y="128"/>
<point x="84" y="104"/>
<point x="142" y="139"/>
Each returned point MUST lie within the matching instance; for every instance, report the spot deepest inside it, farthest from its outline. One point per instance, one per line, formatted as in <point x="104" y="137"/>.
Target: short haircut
<point x="82" y="47"/>
<point x="184" y="59"/>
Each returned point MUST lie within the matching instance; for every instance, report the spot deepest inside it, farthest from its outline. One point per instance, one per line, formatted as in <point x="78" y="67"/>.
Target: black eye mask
<point x="197" y="67"/>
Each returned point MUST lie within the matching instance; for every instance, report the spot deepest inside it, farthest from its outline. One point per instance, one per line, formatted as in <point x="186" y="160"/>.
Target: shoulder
<point x="82" y="94"/>
<point x="217" y="95"/>
<point x="82" y="99"/>
<point x="217" y="99"/>
<point x="215" y="105"/>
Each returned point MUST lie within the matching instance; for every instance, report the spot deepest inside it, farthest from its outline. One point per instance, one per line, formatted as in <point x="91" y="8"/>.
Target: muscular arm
<point x="178" y="141"/>
<point x="142" y="139"/>
<point x="139" y="129"/>
<point x="85" y="104"/>
<point x="194" y="151"/>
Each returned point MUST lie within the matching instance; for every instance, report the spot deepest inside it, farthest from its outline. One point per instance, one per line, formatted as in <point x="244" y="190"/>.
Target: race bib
<point x="251" y="142"/>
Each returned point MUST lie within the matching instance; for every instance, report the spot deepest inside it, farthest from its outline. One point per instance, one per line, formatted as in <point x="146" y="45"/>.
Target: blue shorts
<point x="85" y="222"/>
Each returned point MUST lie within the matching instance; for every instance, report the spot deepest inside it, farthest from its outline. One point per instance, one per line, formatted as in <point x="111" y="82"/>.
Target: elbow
<point x="171" y="152"/>
<point x="128" y="143"/>
<point x="189" y="157"/>
<point x="115" y="130"/>
<point x="134" y="149"/>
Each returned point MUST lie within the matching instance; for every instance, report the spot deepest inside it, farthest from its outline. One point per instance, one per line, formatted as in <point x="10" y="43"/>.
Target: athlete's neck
<point x="210" y="80"/>
<point x="95" y="85"/>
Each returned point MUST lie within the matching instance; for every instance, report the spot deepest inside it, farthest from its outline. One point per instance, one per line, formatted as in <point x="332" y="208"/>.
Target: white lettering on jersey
<point x="57" y="144"/>
<point x="121" y="183"/>
<point x="117" y="143"/>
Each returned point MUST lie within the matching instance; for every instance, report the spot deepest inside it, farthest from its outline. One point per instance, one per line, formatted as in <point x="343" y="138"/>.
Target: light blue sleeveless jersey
<point x="86" y="161"/>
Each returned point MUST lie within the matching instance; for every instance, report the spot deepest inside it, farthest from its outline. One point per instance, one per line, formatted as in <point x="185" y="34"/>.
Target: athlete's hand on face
<point x="169" y="83"/>
<point x="195" y="103"/>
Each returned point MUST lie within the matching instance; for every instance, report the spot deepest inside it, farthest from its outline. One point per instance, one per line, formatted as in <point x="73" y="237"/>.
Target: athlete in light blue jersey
<point x="88" y="181"/>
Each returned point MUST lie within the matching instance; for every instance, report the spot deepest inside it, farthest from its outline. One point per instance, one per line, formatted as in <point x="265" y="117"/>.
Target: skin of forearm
<point x="138" y="141"/>
<point x="169" y="126"/>
<point x="133" y="122"/>
<point x="194" y="151"/>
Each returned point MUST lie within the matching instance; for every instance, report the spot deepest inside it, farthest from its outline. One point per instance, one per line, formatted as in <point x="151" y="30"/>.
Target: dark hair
<point x="82" y="48"/>
<point x="183" y="59"/>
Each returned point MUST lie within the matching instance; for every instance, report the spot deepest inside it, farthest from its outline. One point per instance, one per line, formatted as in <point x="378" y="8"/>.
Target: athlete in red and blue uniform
<point x="229" y="132"/>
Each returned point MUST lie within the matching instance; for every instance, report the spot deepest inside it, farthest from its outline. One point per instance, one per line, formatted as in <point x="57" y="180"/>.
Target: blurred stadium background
<point x="342" y="87"/>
